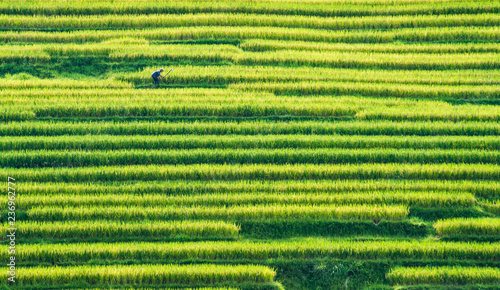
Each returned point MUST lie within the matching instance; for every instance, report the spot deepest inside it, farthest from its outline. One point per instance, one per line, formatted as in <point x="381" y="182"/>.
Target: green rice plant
<point x="204" y="288"/>
<point x="442" y="171"/>
<point x="170" y="188"/>
<point x="426" y="128"/>
<point x="186" y="109"/>
<point x="244" y="250"/>
<point x="255" y="105"/>
<point x="92" y="95"/>
<point x="29" y="108"/>
<point x="244" y="212"/>
<point x="61" y="83"/>
<point x="110" y="229"/>
<point x="430" y="113"/>
<point x="444" y="275"/>
<point x="492" y="206"/>
<point x="72" y="49"/>
<point x="15" y="114"/>
<point x="369" y="59"/>
<point x="76" y="158"/>
<point x="113" y="21"/>
<point x="22" y="52"/>
<point x="223" y="75"/>
<point x="373" y="89"/>
<point x="468" y="226"/>
<point x="229" y="103"/>
<point x="431" y="34"/>
<point x="274" y="45"/>
<point x="154" y="142"/>
<point x="220" y="53"/>
<point x="411" y="198"/>
<point x="312" y="8"/>
<point x="143" y="274"/>
<point x="204" y="53"/>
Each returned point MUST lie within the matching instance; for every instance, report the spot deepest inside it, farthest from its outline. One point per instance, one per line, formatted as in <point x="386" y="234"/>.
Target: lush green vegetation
<point x="317" y="144"/>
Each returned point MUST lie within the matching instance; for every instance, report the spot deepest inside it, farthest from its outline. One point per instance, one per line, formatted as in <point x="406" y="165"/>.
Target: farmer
<point x="156" y="75"/>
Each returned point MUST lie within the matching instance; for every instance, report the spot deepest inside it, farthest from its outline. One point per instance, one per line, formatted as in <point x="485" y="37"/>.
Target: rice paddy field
<point x="312" y="144"/>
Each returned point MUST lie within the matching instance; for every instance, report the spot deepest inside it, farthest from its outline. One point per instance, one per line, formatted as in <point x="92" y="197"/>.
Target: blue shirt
<point x="156" y="74"/>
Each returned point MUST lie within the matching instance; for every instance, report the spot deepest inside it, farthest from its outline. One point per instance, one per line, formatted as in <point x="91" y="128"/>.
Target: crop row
<point x="46" y="95"/>
<point x="28" y="108"/>
<point x="62" y="83"/>
<point x="228" y="53"/>
<point x="430" y="113"/>
<point x="257" y="171"/>
<point x="487" y="189"/>
<point x="117" y="49"/>
<point x="493" y="207"/>
<point x="274" y="45"/>
<point x="243" y="212"/>
<point x="455" y="275"/>
<point x="412" y="198"/>
<point x="206" y="96"/>
<point x="27" y="52"/>
<point x="48" y="128"/>
<point x="451" y="34"/>
<point x="115" y="229"/>
<point x="29" y="104"/>
<point x="77" y="158"/>
<point x="471" y="226"/>
<point x="130" y="48"/>
<point x="112" y="21"/>
<point x="142" y="274"/>
<point x="203" y="288"/>
<point x="222" y="75"/>
<point x="155" y="142"/>
<point x="333" y="107"/>
<point x="309" y="8"/>
<point x="373" y="89"/>
<point x="307" y="248"/>
<point x="350" y="59"/>
<point x="186" y="109"/>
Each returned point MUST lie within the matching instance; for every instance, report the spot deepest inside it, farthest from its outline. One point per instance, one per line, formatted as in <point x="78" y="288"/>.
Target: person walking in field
<point x="157" y="76"/>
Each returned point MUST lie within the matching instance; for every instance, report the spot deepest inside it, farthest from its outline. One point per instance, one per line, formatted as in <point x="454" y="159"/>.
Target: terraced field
<point x="313" y="144"/>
